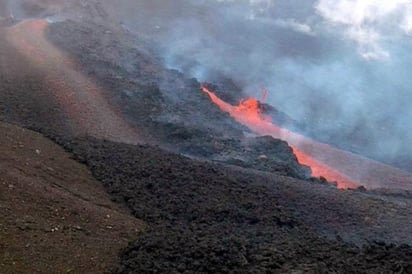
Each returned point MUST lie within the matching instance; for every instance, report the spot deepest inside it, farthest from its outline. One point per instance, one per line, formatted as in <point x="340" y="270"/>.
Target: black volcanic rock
<point x="168" y="107"/>
<point x="129" y="70"/>
<point x="208" y="218"/>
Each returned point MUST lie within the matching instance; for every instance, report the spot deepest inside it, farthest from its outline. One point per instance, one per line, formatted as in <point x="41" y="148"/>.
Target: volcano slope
<point x="168" y="106"/>
<point x="201" y="216"/>
<point x="29" y="59"/>
<point x="211" y="218"/>
<point x="54" y="216"/>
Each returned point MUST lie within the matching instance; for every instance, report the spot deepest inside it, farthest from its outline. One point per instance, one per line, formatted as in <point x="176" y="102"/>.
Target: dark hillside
<point x="206" y="217"/>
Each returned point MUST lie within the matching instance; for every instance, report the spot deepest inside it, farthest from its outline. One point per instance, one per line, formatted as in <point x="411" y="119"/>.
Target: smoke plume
<point x="339" y="66"/>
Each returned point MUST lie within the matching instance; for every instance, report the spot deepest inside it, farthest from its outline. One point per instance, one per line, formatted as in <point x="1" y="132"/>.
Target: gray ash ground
<point x="249" y="211"/>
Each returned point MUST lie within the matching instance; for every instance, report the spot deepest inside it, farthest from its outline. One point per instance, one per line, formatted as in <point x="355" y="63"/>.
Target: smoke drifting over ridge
<point x="340" y="66"/>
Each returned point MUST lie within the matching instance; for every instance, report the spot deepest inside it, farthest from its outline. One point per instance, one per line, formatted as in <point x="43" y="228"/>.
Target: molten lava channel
<point x="347" y="169"/>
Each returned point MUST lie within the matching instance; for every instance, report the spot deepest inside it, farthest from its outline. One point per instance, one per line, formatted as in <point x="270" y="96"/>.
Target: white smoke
<point x="294" y="25"/>
<point x="341" y="66"/>
<point x="369" y="22"/>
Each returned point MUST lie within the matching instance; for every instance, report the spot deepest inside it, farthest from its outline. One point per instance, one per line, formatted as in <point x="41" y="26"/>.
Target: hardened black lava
<point x="209" y="218"/>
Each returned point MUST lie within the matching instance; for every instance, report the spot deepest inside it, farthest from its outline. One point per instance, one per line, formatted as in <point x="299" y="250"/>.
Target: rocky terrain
<point x="206" y="217"/>
<point x="55" y="217"/>
<point x="206" y="194"/>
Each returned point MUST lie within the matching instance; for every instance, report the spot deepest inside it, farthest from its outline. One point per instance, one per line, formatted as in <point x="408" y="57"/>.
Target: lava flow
<point x="347" y="169"/>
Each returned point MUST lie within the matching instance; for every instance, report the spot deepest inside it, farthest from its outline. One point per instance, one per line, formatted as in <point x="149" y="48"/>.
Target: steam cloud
<point x="341" y="66"/>
<point x="365" y="21"/>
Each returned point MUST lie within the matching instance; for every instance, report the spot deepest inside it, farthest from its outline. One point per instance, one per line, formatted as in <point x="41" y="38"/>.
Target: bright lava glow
<point x="249" y="113"/>
<point x="347" y="169"/>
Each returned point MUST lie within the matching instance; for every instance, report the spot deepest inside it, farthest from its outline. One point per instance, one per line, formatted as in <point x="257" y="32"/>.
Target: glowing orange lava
<point x="249" y="113"/>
